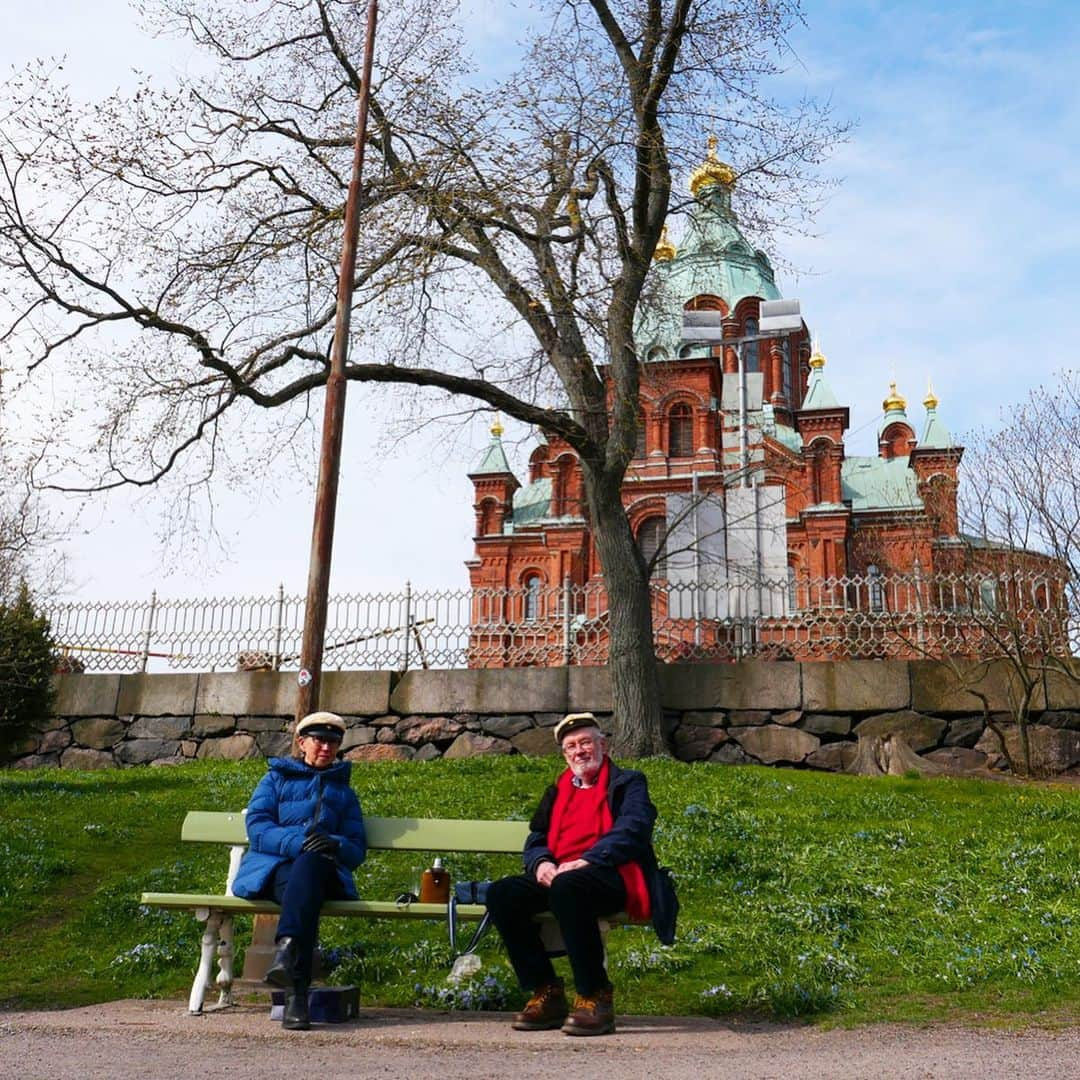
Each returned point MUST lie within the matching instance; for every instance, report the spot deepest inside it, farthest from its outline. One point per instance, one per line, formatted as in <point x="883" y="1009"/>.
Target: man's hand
<point x="545" y="873"/>
<point x="321" y="844"/>
<point x="574" y="864"/>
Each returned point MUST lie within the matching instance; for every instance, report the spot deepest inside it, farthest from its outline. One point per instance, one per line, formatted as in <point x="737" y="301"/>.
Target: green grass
<point x="837" y="898"/>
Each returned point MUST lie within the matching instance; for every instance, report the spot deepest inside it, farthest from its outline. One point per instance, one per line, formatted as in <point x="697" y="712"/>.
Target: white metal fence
<point x="904" y="616"/>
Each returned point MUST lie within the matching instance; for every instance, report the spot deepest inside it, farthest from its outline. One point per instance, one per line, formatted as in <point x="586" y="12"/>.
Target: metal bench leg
<point x="224" y="978"/>
<point x="210" y="939"/>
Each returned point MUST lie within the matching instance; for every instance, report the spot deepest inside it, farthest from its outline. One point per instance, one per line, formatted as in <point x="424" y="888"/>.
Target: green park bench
<point x="442" y="835"/>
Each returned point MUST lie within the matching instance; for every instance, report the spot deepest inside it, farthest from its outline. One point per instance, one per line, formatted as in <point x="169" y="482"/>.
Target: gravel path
<point x="129" y="1039"/>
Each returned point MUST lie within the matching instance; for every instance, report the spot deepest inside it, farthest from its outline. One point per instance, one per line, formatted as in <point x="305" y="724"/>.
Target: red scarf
<point x="637" y="893"/>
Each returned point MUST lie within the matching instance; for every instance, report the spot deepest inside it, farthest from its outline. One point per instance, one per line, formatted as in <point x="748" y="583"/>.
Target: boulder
<point x="536" y="742"/>
<point x="254" y="724"/>
<point x="428" y="752"/>
<point x="414" y="730"/>
<point x="958" y="759"/>
<point x="75" y="757"/>
<point x="921" y="732"/>
<point x="272" y="743"/>
<point x="701" y="718"/>
<point x="97" y="733"/>
<point x="388" y="720"/>
<point x="772" y="743"/>
<point x="749" y="718"/>
<point x="380" y="752"/>
<point x="37" y="761"/>
<point x="143" y="751"/>
<point x="386" y="735"/>
<point x="1060" y="718"/>
<point x="965" y="732"/>
<point x="159" y="727"/>
<point x="1053" y="750"/>
<point x="832" y="757"/>
<point x="504" y="726"/>
<point x="357" y="736"/>
<point x="788" y="718"/>
<point x="468" y="744"/>
<point x="693" y="743"/>
<point x="826" y="724"/>
<point x="547" y="719"/>
<point x="57" y="739"/>
<point x="731" y="753"/>
<point x="231" y="748"/>
<point x="210" y="724"/>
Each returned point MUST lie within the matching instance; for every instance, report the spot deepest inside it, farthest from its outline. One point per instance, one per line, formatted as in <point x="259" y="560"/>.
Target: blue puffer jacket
<point x="291" y="801"/>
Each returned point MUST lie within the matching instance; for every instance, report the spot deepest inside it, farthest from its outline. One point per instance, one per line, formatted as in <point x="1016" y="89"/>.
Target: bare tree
<point x="176" y="248"/>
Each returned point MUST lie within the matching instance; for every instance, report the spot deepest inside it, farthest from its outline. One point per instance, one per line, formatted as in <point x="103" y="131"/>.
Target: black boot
<point x="296" y="1016"/>
<point x="282" y="971"/>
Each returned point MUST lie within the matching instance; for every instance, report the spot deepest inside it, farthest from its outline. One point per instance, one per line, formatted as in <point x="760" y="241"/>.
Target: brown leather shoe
<point x="546" y="1009"/>
<point x="593" y="1015"/>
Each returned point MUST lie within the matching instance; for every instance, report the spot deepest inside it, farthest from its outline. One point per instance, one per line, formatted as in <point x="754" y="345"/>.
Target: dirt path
<point x="129" y="1039"/>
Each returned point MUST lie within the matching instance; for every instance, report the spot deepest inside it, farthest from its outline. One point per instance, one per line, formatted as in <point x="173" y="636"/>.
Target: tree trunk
<point x="635" y="687"/>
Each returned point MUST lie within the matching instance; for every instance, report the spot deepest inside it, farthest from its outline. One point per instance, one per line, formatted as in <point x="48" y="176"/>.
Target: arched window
<point x="988" y="594"/>
<point x="877" y="590"/>
<point x="533" y="584"/>
<point x="681" y="431"/>
<point x="650" y="538"/>
<point x="751" y="352"/>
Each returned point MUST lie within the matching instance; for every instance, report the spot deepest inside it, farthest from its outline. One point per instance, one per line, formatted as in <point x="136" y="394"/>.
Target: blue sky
<point x="950" y="250"/>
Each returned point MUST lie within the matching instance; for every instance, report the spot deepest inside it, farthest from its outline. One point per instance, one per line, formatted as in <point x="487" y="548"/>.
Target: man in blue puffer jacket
<point x="305" y="838"/>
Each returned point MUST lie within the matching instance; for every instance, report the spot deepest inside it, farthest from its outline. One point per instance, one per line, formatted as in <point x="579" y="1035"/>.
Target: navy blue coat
<point x="628" y="840"/>
<point x="290" y="802"/>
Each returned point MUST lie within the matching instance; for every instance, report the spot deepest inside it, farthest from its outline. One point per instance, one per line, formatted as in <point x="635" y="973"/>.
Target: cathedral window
<point x="681" y="431"/>
<point x="877" y="590"/>
<point x="650" y="538"/>
<point x="533" y="584"/>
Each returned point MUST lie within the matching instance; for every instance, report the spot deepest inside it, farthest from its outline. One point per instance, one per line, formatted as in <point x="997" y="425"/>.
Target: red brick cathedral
<point x="741" y="490"/>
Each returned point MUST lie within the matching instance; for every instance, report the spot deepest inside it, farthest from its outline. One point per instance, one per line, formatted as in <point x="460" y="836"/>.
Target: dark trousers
<point x="576" y="899"/>
<point x="300" y="887"/>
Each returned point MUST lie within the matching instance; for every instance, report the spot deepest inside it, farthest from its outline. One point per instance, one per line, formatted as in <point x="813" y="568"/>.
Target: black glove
<point x="321" y="844"/>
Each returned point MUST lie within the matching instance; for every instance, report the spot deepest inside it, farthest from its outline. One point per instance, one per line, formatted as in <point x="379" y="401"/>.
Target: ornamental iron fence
<point x="911" y="616"/>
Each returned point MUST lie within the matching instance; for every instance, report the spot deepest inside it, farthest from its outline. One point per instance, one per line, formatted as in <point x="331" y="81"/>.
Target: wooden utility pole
<point x="322" y="533"/>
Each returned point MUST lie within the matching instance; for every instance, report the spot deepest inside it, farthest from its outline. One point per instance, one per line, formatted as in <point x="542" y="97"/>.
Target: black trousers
<point x="576" y="899"/>
<point x="300" y="887"/>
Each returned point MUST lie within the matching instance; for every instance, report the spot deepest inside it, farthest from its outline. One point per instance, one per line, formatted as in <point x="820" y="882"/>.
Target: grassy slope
<point x="803" y="893"/>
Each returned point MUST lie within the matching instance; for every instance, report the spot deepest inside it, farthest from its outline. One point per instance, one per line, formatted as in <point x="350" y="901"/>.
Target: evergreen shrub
<point x="26" y="664"/>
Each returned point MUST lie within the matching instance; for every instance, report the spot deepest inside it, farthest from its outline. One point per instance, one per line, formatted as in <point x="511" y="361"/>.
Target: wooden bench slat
<point x="383" y="833"/>
<point x="344" y="908"/>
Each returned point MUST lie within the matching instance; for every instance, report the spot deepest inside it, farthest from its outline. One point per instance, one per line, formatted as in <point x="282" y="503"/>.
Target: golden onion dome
<point x="931" y="399"/>
<point x="894" y="401"/>
<point x="817" y="358"/>
<point x="497" y="429"/>
<point x="665" y="250"/>
<point x="711" y="171"/>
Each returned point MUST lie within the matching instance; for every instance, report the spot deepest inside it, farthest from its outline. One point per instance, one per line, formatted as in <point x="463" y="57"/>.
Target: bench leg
<point x="224" y="978"/>
<point x="210" y="939"/>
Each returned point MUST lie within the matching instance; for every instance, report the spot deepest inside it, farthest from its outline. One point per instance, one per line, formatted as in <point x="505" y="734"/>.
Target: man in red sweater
<point x="589" y="854"/>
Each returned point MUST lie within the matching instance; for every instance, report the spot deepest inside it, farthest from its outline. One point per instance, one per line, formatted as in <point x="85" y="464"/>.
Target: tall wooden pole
<point x="322" y="533"/>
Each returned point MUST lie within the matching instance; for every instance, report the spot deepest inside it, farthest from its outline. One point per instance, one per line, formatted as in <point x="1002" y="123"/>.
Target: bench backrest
<point x="383" y="833"/>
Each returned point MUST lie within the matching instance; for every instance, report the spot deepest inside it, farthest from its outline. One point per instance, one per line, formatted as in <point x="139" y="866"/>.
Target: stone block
<point x="386" y="720"/>
<point x="788" y="718"/>
<point x="143" y="751"/>
<point x="1053" y="750"/>
<point x="588" y="690"/>
<point x="468" y="744"/>
<point x="921" y="732"/>
<point x="958" y="759"/>
<point x="357" y="736"/>
<point x="157" y="695"/>
<point x="57" y="739"/>
<point x="772" y="743"/>
<point x="230" y="748"/>
<point x="255" y="724"/>
<point x="936" y="688"/>
<point x="37" y="761"/>
<point x="825" y="724"/>
<point x="832" y="757"/>
<point x="428" y="752"/>
<point x="536" y="742"/>
<point x="76" y="757"/>
<point x="550" y="719"/>
<point x="190" y="747"/>
<point x="504" y="726"/>
<point x="749" y="684"/>
<point x="414" y="730"/>
<point x="159" y="727"/>
<point x="385" y="735"/>
<point x="697" y="743"/>
<point x="379" y="752"/>
<point x="365" y="693"/>
<point x="86" y="695"/>
<point x="247" y="693"/>
<point x="749" y="718"/>
<point x="210" y="724"/>
<point x="271" y="744"/>
<point x="1063" y="687"/>
<point x="1060" y="718"/>
<point x="484" y="691"/>
<point x="101" y="733"/>
<point x="964" y="731"/>
<point x="842" y="686"/>
<point x="704" y="718"/>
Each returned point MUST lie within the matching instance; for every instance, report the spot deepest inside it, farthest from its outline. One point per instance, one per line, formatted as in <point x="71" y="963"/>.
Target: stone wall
<point x="808" y="715"/>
